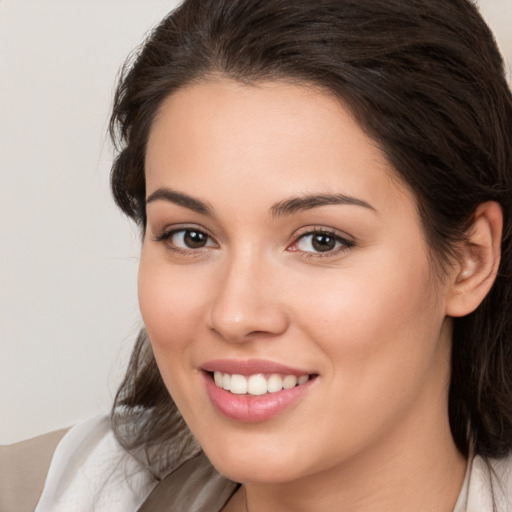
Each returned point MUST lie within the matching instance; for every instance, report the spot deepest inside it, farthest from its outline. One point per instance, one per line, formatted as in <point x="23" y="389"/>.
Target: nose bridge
<point x="247" y="302"/>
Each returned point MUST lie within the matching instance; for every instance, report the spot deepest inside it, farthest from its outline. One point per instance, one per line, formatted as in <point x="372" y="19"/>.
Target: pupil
<point x="194" y="239"/>
<point x="323" y="243"/>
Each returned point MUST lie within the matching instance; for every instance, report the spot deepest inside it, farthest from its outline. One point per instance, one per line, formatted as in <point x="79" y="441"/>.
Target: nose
<point x="247" y="303"/>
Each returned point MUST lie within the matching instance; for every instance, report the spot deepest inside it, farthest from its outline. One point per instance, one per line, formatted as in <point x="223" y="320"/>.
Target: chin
<point x="254" y="464"/>
<point x="255" y="473"/>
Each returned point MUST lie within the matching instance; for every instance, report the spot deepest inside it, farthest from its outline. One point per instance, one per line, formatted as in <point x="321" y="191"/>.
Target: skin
<point x="370" y="317"/>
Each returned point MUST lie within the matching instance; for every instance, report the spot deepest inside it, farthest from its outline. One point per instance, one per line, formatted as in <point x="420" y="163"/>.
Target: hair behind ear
<point x="480" y="398"/>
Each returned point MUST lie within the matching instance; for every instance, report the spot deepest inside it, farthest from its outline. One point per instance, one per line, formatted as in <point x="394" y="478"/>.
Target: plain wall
<point x="68" y="259"/>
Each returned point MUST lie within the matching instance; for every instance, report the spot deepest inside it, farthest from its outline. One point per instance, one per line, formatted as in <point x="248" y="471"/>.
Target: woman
<point x="324" y="194"/>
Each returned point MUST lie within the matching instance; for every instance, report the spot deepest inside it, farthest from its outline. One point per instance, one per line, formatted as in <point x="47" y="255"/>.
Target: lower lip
<point x="251" y="408"/>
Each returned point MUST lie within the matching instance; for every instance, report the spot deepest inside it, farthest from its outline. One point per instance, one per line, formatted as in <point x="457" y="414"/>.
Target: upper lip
<point x="251" y="367"/>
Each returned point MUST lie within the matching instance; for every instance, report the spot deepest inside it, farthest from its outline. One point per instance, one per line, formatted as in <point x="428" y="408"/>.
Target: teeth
<point x="303" y="379"/>
<point x="289" y="382"/>
<point x="257" y="384"/>
<point x="274" y="383"/>
<point x="238" y="384"/>
<point x="226" y="381"/>
<point x="219" y="379"/>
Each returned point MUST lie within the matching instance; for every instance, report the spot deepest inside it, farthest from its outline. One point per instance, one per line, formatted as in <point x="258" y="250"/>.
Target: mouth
<point x="255" y="391"/>
<point x="257" y="384"/>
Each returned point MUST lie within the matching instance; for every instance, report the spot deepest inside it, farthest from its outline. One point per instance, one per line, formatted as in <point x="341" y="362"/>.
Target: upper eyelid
<point x="346" y="240"/>
<point x="166" y="239"/>
<point x="311" y="230"/>
<point x="341" y="239"/>
<point x="168" y="231"/>
<point x="166" y="235"/>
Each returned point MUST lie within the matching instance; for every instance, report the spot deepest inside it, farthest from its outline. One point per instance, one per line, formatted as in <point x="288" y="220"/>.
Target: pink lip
<point x="249" y="408"/>
<point x="251" y="367"/>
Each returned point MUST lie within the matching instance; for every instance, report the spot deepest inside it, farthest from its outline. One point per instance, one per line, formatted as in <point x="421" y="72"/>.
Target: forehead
<point x="283" y="137"/>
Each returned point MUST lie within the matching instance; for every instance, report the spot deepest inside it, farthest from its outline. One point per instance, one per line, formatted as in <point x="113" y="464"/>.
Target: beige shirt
<point x="91" y="472"/>
<point x="23" y="467"/>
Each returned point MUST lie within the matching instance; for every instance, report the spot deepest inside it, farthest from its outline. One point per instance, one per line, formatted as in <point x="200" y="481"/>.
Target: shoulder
<point x="489" y="485"/>
<point x="195" y="486"/>
<point x="85" y="469"/>
<point x="23" y="468"/>
<point x="501" y="479"/>
<point x="90" y="471"/>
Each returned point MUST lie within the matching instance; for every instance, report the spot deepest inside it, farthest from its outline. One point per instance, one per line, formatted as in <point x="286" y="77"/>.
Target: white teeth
<point x="226" y="381"/>
<point x="219" y="379"/>
<point x="289" y="382"/>
<point x="303" y="379"/>
<point x="275" y="383"/>
<point x="238" y="384"/>
<point x="257" y="384"/>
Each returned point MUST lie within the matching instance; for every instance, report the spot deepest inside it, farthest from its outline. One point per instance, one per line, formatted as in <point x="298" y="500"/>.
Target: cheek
<point x="380" y="333"/>
<point x="370" y="296"/>
<point x="378" y="324"/>
<point x="171" y="304"/>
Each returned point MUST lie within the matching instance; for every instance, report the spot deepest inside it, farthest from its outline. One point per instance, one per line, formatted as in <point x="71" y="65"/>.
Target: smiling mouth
<point x="259" y="383"/>
<point x="256" y="390"/>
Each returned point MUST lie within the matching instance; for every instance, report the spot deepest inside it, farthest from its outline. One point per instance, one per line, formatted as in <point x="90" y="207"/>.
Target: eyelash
<point x="166" y="236"/>
<point x="344" y="243"/>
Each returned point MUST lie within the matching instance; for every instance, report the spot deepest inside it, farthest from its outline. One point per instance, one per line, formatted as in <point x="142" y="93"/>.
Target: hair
<point x="425" y="81"/>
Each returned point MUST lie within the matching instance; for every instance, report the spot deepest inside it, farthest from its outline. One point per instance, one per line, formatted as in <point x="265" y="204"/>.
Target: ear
<point x="478" y="260"/>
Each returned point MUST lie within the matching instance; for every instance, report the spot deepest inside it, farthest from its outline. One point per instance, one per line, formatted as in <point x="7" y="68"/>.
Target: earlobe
<point x="478" y="261"/>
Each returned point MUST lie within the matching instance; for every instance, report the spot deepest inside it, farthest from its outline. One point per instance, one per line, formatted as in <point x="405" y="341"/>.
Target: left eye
<point x="189" y="239"/>
<point x="320" y="242"/>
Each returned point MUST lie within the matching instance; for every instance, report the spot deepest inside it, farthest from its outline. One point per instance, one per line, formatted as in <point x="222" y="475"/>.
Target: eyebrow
<point x="283" y="208"/>
<point x="166" y="194"/>
<point x="295" y="204"/>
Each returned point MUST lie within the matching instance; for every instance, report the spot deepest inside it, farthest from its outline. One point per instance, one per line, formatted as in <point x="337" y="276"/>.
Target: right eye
<point x="186" y="239"/>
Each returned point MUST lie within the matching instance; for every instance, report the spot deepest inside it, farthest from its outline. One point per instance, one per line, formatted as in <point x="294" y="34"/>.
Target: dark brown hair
<point x="425" y="80"/>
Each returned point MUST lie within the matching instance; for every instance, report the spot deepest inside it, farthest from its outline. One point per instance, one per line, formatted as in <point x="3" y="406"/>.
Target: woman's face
<point x="281" y="248"/>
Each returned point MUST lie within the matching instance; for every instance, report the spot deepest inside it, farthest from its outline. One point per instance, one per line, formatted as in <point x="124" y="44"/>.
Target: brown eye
<point x="323" y="242"/>
<point x="187" y="239"/>
<point x="194" y="239"/>
<point x="318" y="242"/>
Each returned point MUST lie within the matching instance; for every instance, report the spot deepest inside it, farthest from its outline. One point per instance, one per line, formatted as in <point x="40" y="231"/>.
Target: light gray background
<point x="68" y="259"/>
